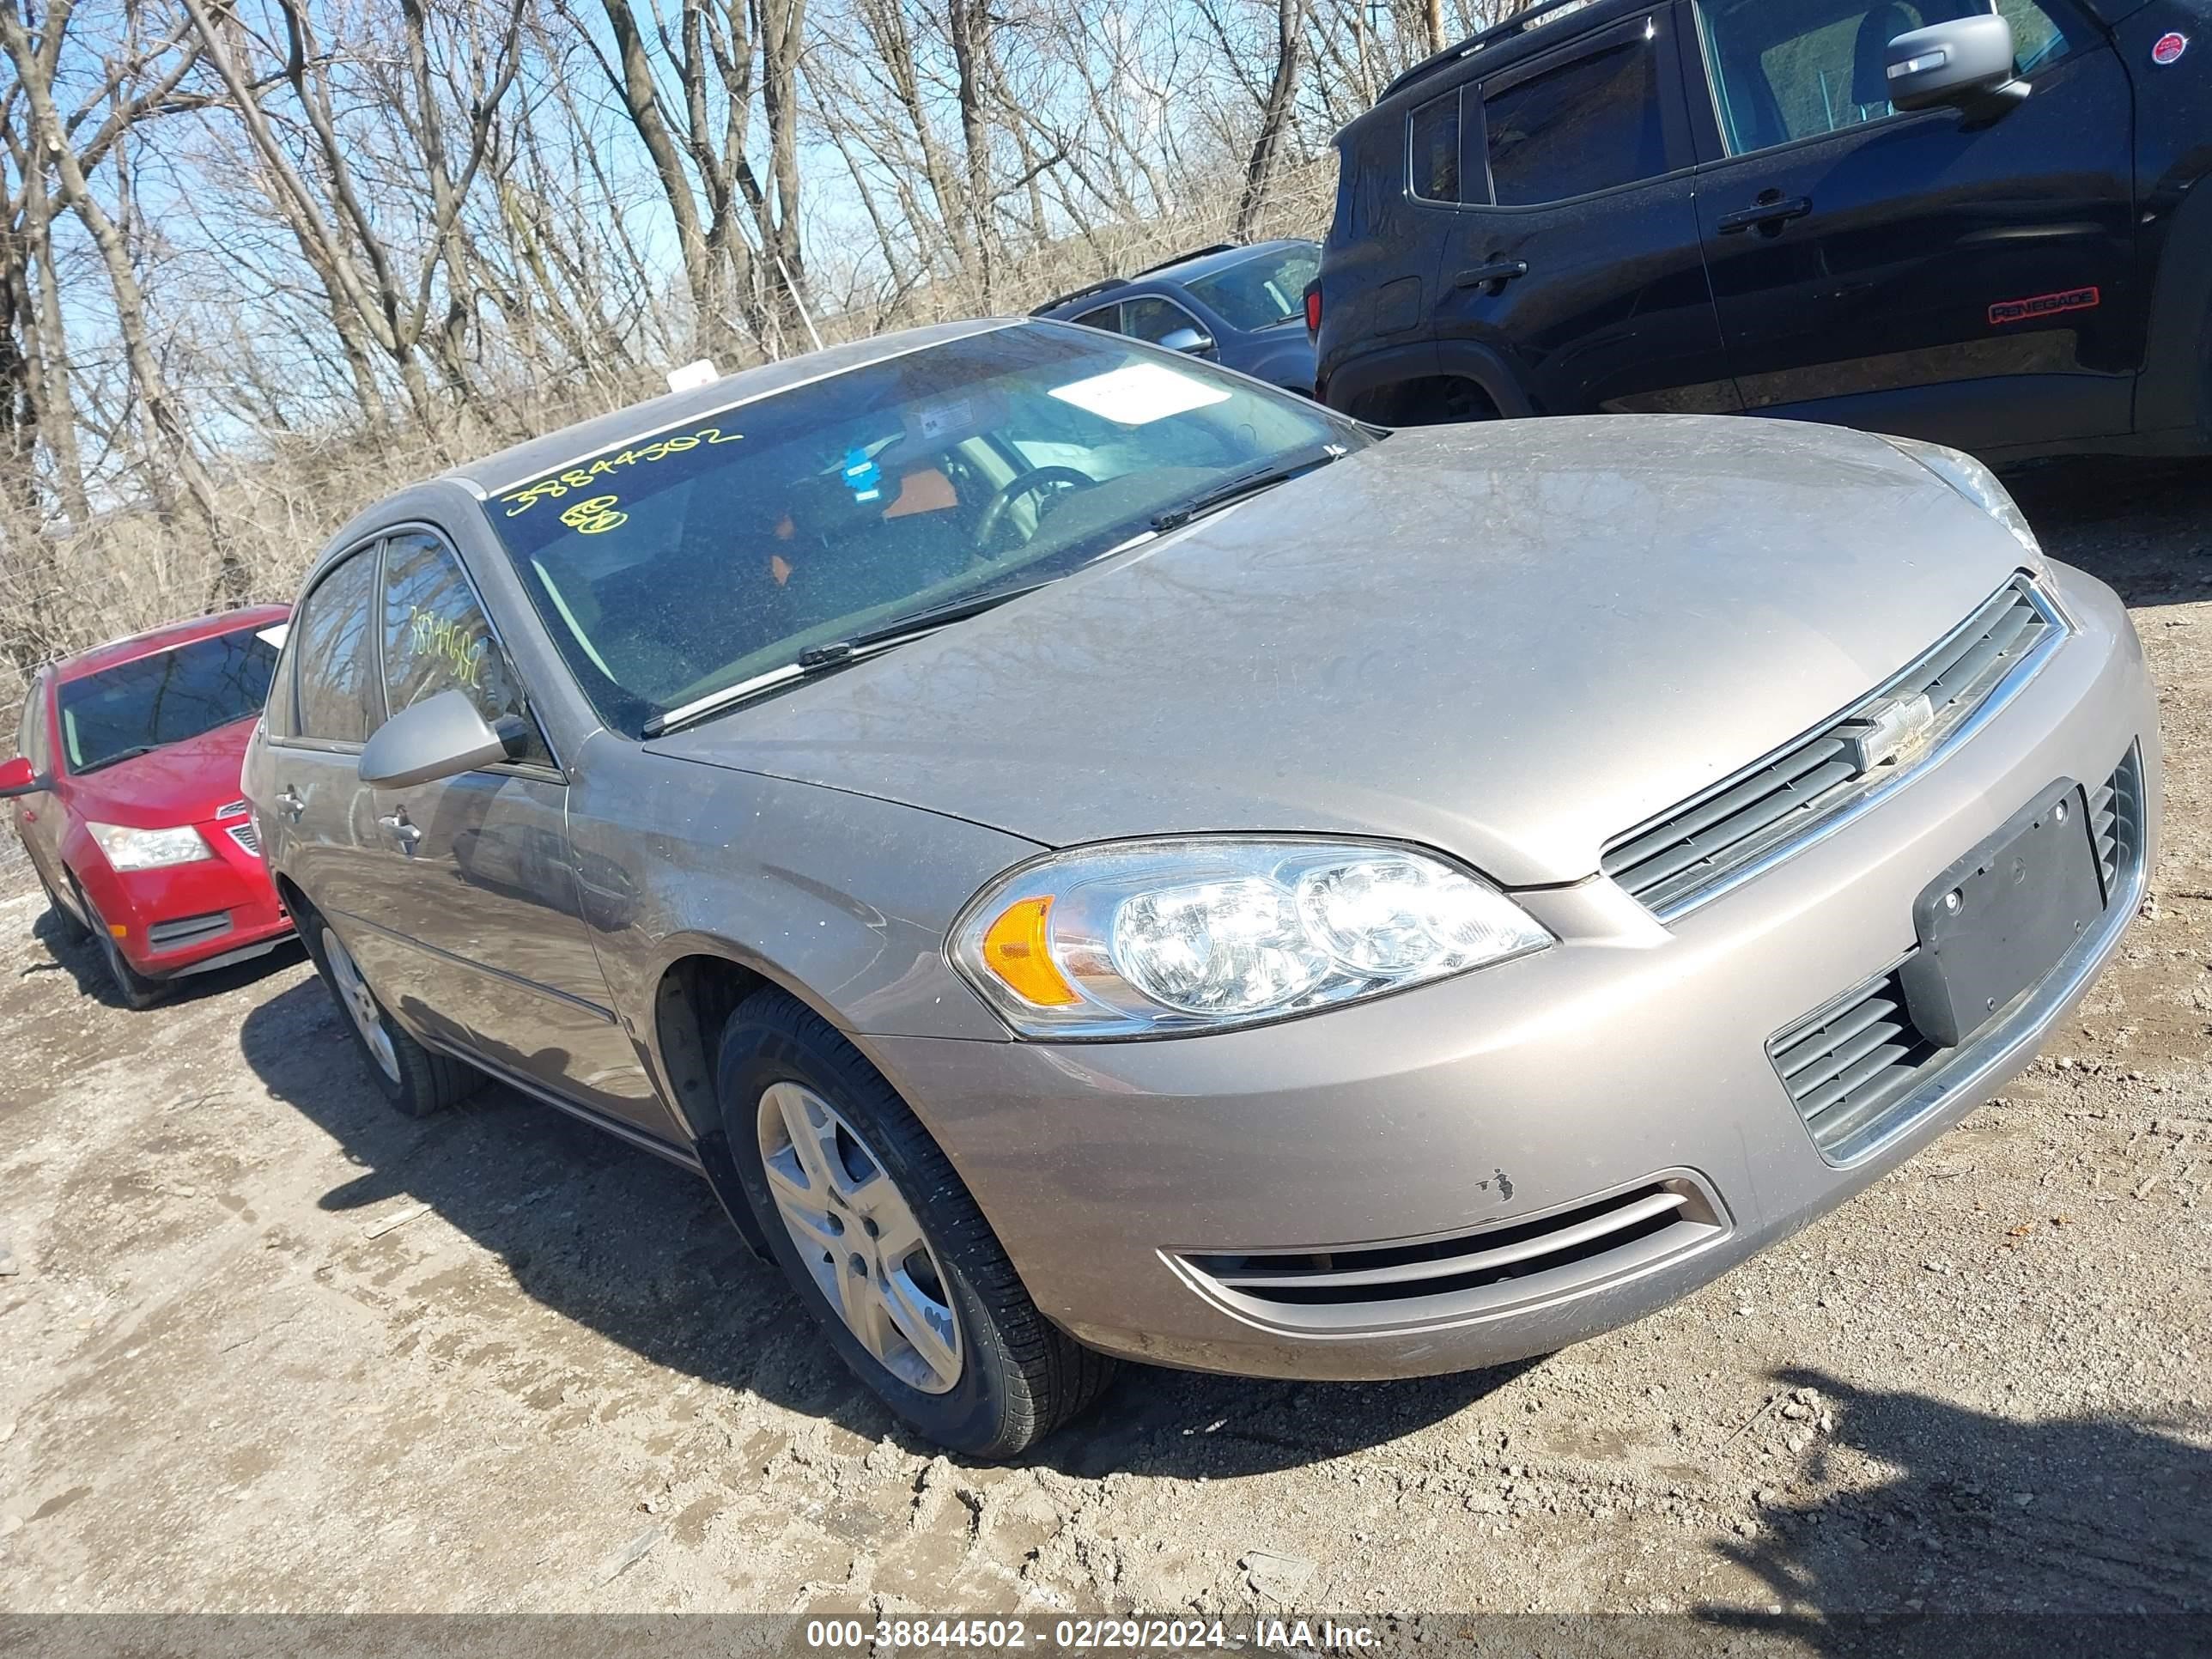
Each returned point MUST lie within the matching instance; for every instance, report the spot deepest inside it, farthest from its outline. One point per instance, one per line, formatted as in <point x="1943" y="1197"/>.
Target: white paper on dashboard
<point x="1140" y="394"/>
<point x="274" y="633"/>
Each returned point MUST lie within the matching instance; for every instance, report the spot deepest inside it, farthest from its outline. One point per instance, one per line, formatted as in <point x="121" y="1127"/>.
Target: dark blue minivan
<point x="1240" y="306"/>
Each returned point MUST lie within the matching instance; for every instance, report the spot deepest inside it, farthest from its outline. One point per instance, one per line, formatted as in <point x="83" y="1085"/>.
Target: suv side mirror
<point x="441" y="737"/>
<point x="17" y="778"/>
<point x="1189" y="340"/>
<point x="1965" y="63"/>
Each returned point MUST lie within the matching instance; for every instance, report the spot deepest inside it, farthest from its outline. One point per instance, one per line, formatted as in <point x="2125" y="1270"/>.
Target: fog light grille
<point x="1381" y="1285"/>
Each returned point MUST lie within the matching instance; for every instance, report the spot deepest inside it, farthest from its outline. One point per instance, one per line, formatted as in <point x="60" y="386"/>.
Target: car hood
<point x="1512" y="641"/>
<point x="184" y="783"/>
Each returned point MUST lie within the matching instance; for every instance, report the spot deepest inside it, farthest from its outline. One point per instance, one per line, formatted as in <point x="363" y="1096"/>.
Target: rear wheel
<point x="883" y="1243"/>
<point x="416" y="1082"/>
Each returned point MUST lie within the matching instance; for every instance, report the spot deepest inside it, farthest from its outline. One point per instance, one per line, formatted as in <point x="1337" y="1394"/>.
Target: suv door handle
<point x="1497" y="273"/>
<point x="1772" y="212"/>
<point x="290" y="803"/>
<point x="395" y="824"/>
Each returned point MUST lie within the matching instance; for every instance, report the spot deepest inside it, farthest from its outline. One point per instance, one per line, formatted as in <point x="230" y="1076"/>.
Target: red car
<point x="126" y="796"/>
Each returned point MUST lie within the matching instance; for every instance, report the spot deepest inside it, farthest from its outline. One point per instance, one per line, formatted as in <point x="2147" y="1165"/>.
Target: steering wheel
<point x="1025" y="483"/>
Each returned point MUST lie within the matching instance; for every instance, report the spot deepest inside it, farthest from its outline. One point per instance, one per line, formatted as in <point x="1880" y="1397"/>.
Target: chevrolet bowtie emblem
<point x="1894" y="730"/>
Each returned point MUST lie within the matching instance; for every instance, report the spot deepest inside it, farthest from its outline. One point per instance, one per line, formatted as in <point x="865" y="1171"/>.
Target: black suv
<point x="1715" y="206"/>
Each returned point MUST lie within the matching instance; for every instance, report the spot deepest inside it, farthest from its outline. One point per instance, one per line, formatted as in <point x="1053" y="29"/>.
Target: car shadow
<point x="1959" y="1532"/>
<point x="80" y="958"/>
<point x="2143" y="526"/>
<point x="637" y="1250"/>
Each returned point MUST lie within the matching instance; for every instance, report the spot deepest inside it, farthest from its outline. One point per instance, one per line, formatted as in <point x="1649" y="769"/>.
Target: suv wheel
<point x="416" y="1082"/>
<point x="884" y="1245"/>
<point x="136" y="990"/>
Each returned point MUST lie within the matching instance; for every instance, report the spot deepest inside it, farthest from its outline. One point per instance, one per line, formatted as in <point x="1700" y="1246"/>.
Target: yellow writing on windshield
<point x="457" y="647"/>
<point x="595" y="516"/>
<point x="585" y="477"/>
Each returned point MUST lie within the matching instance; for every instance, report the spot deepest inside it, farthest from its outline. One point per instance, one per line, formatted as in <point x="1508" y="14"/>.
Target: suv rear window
<point x="1590" y="123"/>
<point x="1435" y="140"/>
<point x="166" y="698"/>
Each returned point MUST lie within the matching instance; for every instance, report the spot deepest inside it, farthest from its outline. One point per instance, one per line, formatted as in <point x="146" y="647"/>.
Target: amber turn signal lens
<point x="1014" y="949"/>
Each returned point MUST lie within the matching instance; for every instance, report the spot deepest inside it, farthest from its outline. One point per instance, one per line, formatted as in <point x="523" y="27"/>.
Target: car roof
<point x="536" y="457"/>
<point x="1531" y="31"/>
<point x="167" y="637"/>
<point x="1194" y="268"/>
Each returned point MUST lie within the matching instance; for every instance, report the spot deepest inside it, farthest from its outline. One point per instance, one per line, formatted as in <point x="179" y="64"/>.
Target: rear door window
<point x="1106" y="317"/>
<point x="1590" y="123"/>
<point x="339" y="700"/>
<point x="437" y="638"/>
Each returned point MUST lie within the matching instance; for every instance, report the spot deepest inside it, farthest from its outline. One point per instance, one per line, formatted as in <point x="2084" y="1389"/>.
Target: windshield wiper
<point x="119" y="756"/>
<point x="1245" y="483"/>
<point x="818" y="658"/>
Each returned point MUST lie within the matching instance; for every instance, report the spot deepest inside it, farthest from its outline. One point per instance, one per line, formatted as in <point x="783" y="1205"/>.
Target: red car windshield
<point x="152" y="701"/>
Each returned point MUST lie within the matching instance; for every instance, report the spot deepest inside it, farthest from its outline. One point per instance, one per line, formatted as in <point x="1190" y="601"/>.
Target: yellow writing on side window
<point x="458" y="649"/>
<point x="585" y="477"/>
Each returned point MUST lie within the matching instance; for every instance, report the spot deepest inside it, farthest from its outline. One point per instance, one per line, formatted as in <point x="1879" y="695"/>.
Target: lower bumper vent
<point x="1384" y="1284"/>
<point x="187" y="930"/>
<point x="1854" y="1071"/>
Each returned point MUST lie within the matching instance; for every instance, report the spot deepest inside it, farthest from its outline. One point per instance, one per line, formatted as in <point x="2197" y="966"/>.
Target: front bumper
<point x="183" y="919"/>
<point x="1614" y="1092"/>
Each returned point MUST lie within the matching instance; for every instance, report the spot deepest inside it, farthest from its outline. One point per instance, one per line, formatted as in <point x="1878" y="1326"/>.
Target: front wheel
<point x="133" y="988"/>
<point x="884" y="1245"/>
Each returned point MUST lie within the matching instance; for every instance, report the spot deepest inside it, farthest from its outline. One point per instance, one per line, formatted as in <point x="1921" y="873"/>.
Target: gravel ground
<point x="265" y="1345"/>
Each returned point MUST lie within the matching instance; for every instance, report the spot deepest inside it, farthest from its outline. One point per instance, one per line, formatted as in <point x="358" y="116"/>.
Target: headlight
<point x="1149" y="938"/>
<point x="148" y="849"/>
<point x="1977" y="484"/>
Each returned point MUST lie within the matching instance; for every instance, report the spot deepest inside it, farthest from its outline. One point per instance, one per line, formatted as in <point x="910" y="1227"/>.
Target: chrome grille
<point x="1684" y="855"/>
<point x="1383" y="1285"/>
<point x="247" y="836"/>
<point x="1855" y="1070"/>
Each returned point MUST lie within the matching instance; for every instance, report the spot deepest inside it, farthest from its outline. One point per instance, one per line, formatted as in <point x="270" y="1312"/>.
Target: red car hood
<point x="186" y="782"/>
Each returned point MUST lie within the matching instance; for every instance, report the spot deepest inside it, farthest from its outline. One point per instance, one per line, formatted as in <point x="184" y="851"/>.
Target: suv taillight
<point x="1313" y="307"/>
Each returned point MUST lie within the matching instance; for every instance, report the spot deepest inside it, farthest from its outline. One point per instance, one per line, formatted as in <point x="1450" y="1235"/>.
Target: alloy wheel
<point x="859" y="1238"/>
<point x="361" y="1002"/>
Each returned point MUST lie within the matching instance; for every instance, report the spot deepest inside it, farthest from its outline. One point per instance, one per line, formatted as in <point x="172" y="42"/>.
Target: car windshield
<point x="697" y="558"/>
<point x="1262" y="291"/>
<point x="149" y="702"/>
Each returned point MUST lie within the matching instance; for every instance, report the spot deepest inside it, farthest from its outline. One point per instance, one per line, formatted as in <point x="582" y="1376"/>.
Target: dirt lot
<point x="228" y="1380"/>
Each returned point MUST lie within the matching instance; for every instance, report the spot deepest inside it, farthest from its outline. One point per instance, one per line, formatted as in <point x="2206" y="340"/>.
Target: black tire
<point x="67" y="923"/>
<point x="418" y="1083"/>
<point x="1021" y="1376"/>
<point x="133" y="988"/>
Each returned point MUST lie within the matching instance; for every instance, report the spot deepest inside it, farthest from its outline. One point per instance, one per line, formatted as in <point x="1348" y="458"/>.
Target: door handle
<point x="290" y="803"/>
<point x="1496" y="273"/>
<point x="395" y="824"/>
<point x="1770" y="213"/>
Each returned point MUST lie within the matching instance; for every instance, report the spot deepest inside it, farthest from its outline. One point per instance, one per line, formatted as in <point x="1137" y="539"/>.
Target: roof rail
<point x="1196" y="253"/>
<point x="1512" y="26"/>
<point x="1058" y="300"/>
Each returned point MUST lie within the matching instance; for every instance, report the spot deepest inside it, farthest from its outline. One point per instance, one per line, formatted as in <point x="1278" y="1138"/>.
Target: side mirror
<point x="17" y="778"/>
<point x="1965" y="63"/>
<point x="1189" y="340"/>
<point x="441" y="737"/>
